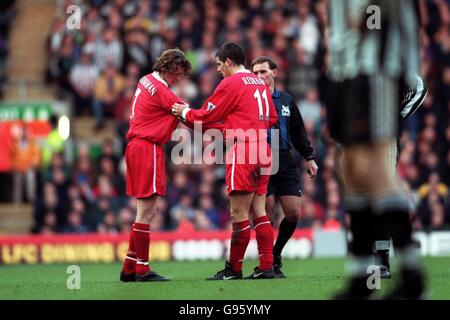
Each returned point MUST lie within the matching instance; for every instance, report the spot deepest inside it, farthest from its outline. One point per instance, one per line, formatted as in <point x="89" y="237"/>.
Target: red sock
<point x="129" y="265"/>
<point x="239" y="242"/>
<point x="264" y="238"/>
<point x="141" y="233"/>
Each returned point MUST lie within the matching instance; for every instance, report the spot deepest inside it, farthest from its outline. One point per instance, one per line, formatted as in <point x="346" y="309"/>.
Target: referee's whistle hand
<point x="312" y="168"/>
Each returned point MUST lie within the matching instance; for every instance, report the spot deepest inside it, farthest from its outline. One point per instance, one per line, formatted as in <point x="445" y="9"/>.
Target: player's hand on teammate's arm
<point x="177" y="109"/>
<point x="312" y="168"/>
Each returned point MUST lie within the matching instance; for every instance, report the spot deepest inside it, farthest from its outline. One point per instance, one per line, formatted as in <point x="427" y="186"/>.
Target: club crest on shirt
<point x="285" y="111"/>
<point x="210" y="106"/>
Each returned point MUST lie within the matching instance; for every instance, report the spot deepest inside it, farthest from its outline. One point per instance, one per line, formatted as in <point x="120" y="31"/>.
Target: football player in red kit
<point x="244" y="103"/>
<point x="151" y="126"/>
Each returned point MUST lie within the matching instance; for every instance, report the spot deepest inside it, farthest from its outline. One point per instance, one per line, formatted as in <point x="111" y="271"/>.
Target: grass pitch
<point x="307" y="279"/>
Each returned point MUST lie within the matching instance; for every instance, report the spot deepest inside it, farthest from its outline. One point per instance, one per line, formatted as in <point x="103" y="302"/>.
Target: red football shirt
<point x="150" y="117"/>
<point x="242" y="100"/>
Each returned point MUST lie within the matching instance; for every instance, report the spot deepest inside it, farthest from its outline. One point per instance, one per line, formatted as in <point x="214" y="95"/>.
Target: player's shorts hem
<point x="148" y="195"/>
<point x="241" y="190"/>
<point x="280" y="194"/>
<point x="256" y="191"/>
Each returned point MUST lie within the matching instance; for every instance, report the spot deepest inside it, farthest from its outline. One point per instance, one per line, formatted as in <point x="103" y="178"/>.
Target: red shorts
<point x="248" y="172"/>
<point x="146" y="169"/>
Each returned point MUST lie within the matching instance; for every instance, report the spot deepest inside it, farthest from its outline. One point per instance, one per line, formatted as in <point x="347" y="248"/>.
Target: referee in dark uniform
<point x="285" y="184"/>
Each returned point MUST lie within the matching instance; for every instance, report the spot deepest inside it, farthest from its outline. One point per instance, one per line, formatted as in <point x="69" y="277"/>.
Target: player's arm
<point x="299" y="137"/>
<point x="215" y="107"/>
<point x="300" y="140"/>
<point x="169" y="99"/>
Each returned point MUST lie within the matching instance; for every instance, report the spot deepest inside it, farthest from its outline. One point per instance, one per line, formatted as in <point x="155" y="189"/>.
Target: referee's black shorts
<point x="287" y="180"/>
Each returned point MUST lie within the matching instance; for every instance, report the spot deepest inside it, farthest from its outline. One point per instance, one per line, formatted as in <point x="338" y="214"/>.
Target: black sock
<point x="400" y="228"/>
<point x="362" y="231"/>
<point x="393" y="214"/>
<point x="285" y="232"/>
<point x="362" y="228"/>
<point x="383" y="256"/>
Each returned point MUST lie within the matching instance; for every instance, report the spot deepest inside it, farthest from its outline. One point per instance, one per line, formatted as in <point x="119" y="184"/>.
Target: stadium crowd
<point x="99" y="65"/>
<point x="7" y="14"/>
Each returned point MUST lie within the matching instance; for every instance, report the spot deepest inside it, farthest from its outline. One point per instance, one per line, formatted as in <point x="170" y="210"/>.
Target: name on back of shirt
<point x="148" y="85"/>
<point x="251" y="80"/>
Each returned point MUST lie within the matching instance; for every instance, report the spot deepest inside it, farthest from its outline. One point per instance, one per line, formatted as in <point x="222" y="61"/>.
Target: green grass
<point x="308" y="279"/>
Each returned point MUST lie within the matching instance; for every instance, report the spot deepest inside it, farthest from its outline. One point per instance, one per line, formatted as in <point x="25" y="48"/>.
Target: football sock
<point x="239" y="242"/>
<point x="285" y="232"/>
<point x="392" y="211"/>
<point x="361" y="227"/>
<point x="129" y="265"/>
<point x="142" y="242"/>
<point x="264" y="238"/>
<point x="361" y="223"/>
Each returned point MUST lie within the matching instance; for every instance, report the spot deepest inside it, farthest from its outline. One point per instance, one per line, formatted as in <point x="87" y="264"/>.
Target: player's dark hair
<point x="172" y="61"/>
<point x="233" y="51"/>
<point x="262" y="59"/>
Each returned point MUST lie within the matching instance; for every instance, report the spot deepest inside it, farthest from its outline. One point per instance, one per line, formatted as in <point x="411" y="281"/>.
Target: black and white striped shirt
<point x="357" y="47"/>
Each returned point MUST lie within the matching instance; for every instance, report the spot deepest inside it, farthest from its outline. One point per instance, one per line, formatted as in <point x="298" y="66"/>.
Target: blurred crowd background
<point x="98" y="66"/>
<point x="7" y="14"/>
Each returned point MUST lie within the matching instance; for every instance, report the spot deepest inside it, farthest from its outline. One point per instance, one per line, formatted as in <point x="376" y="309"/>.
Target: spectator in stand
<point x="53" y="143"/>
<point x="75" y="224"/>
<point x="25" y="160"/>
<point x="50" y="225"/>
<point x="83" y="77"/>
<point x="108" y="89"/>
<point x="47" y="201"/>
<point x="126" y="219"/>
<point x="109" y="224"/>
<point x="109" y="50"/>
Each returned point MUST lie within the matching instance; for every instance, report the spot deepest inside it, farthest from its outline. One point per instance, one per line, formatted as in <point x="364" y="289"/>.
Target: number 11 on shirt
<point x="257" y="96"/>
